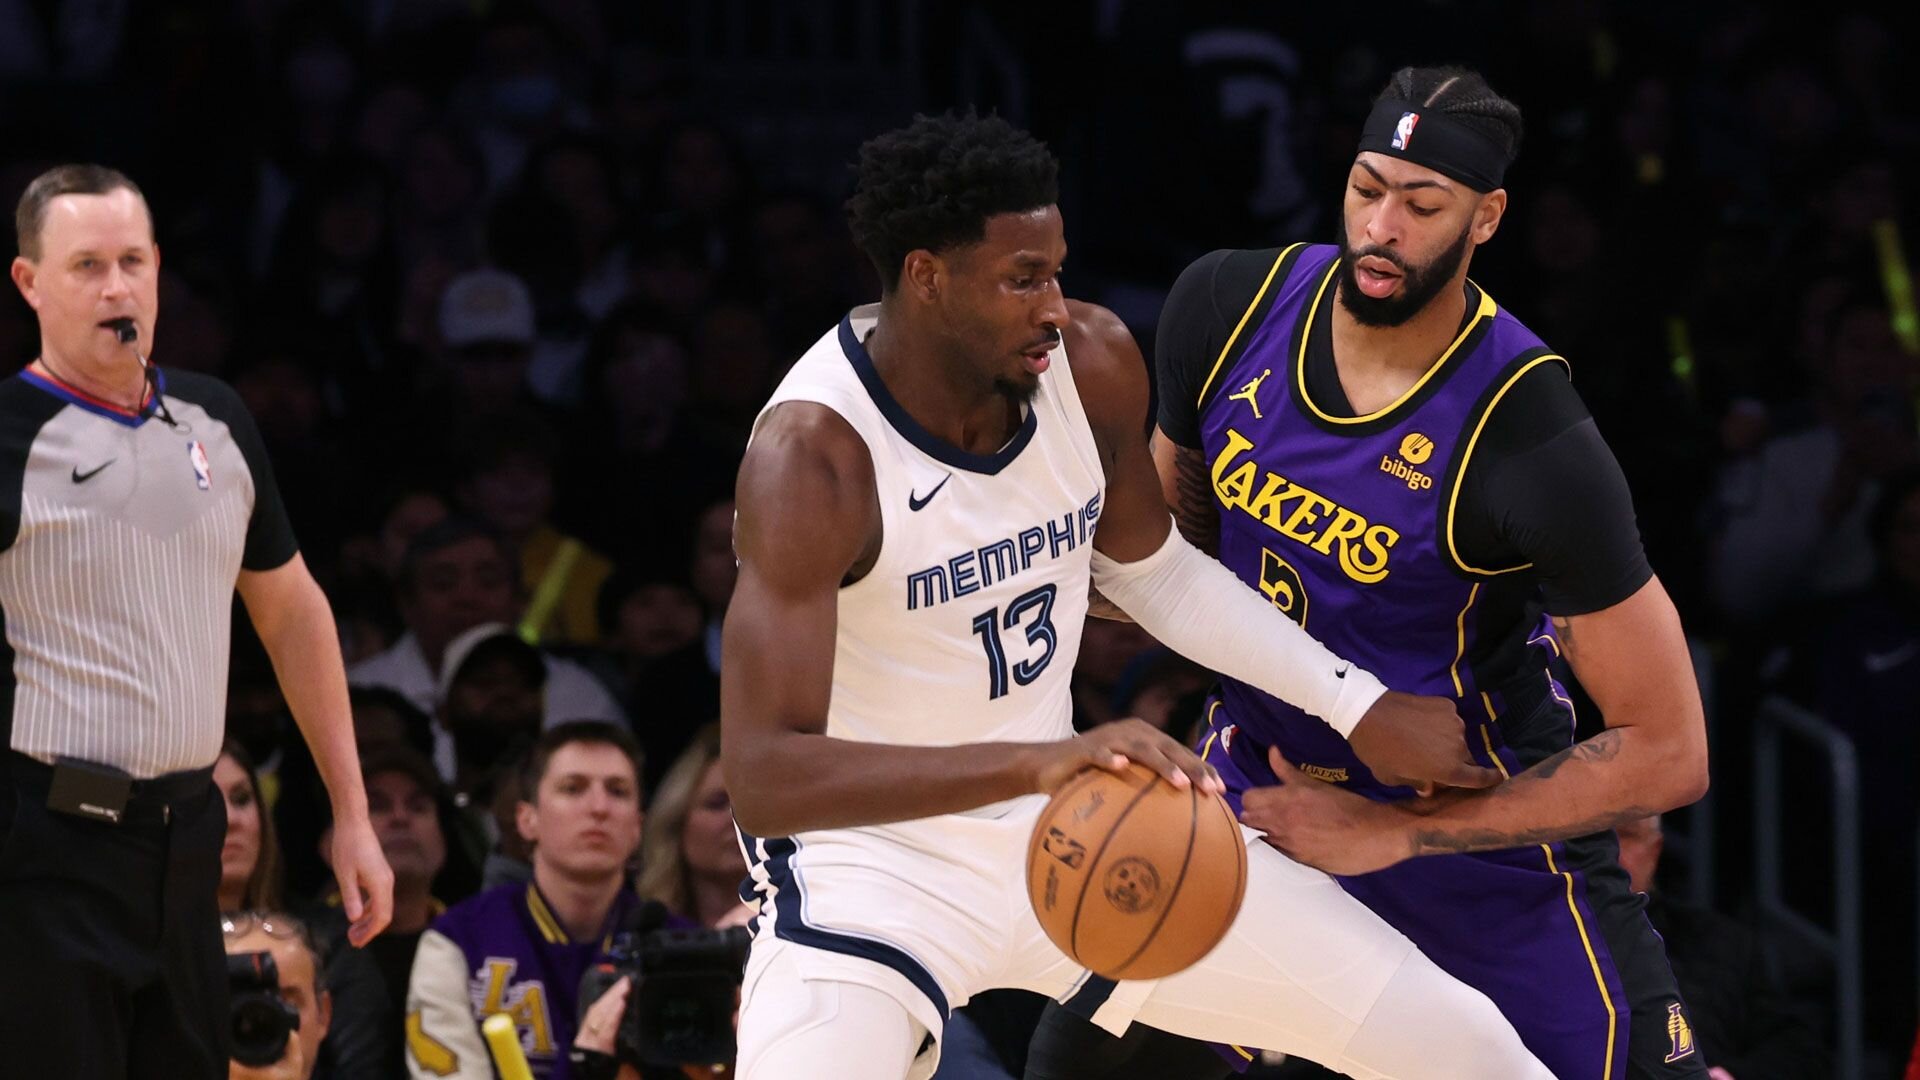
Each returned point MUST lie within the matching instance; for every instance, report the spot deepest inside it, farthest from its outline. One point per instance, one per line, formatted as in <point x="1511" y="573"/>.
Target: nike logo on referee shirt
<point x="915" y="502"/>
<point x="82" y="477"/>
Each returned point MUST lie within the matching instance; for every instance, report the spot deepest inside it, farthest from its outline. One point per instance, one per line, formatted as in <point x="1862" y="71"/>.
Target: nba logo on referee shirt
<point x="1403" y="131"/>
<point x="202" y="469"/>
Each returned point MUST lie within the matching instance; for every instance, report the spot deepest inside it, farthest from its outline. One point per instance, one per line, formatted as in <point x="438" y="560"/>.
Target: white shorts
<point x="932" y="912"/>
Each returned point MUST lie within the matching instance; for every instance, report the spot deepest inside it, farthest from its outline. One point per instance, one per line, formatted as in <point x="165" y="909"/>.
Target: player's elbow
<point x="1684" y="777"/>
<point x="755" y="796"/>
<point x="1694" y="779"/>
<point x="753" y="813"/>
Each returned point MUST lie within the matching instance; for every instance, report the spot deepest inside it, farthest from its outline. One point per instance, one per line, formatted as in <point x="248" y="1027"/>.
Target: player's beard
<point x="1418" y="284"/>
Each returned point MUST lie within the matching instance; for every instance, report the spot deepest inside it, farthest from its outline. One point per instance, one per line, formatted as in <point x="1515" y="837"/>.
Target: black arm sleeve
<point x="1203" y="307"/>
<point x="270" y="541"/>
<point x="1544" y="488"/>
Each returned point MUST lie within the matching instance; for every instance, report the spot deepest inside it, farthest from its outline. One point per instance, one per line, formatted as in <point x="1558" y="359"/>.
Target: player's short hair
<point x="934" y="183"/>
<point x="1462" y="95"/>
<point x="30" y="215"/>
<point x="591" y="732"/>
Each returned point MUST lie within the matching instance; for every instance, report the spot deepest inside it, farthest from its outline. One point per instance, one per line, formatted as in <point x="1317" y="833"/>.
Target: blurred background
<point x="506" y="283"/>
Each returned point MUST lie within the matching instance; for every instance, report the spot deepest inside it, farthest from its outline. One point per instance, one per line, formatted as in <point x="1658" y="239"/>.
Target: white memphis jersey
<point x="967" y="627"/>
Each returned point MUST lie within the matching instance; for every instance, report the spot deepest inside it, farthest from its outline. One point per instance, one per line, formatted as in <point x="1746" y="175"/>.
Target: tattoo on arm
<point x="1194" y="511"/>
<point x="1602" y="747"/>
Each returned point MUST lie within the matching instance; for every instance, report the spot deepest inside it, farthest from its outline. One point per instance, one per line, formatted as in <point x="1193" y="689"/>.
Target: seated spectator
<point x="403" y="799"/>
<point x="250" y="880"/>
<point x="492" y="698"/>
<point x="1747" y="1029"/>
<point x="297" y="962"/>
<point x="1793" y="516"/>
<point x="521" y="949"/>
<point x="507" y="482"/>
<point x="656" y="657"/>
<point x="690" y="857"/>
<point x="302" y="811"/>
<point x="250" y="859"/>
<point x="487" y="328"/>
<point x="457" y="575"/>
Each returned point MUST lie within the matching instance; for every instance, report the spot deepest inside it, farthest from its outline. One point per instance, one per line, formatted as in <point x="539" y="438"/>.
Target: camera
<point x="680" y="1003"/>
<point x="261" y="1019"/>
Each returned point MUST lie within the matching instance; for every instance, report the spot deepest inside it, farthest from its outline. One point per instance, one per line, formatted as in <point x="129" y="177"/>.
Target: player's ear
<point x="1486" y="216"/>
<point x="922" y="275"/>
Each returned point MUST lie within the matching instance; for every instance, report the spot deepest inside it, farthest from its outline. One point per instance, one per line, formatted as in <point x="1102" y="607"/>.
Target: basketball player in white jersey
<point x="919" y="512"/>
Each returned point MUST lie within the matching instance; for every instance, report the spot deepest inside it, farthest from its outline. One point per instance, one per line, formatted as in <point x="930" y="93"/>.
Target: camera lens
<point x="261" y="1028"/>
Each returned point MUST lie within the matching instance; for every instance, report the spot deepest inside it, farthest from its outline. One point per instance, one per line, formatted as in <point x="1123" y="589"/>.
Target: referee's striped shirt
<point x="121" y="538"/>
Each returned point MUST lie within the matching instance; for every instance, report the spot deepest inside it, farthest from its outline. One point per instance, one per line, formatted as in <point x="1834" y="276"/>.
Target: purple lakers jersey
<point x="1347" y="522"/>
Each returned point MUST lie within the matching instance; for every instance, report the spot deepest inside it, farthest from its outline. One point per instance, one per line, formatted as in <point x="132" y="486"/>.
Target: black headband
<point x="1431" y="138"/>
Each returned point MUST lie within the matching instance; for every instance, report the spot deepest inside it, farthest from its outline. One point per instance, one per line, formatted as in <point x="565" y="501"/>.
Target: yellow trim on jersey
<point x="1593" y="961"/>
<point x="543" y="918"/>
<point x="1466" y="457"/>
<point x="1242" y="1051"/>
<point x="1486" y="310"/>
<point x="1461" y="653"/>
<point x="1242" y="325"/>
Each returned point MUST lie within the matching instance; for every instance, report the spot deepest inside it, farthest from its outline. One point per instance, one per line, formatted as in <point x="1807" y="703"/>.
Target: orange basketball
<point x="1133" y="877"/>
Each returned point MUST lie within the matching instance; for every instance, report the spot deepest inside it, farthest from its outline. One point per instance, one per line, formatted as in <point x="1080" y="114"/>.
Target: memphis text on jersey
<point x="1300" y="514"/>
<point x="978" y="568"/>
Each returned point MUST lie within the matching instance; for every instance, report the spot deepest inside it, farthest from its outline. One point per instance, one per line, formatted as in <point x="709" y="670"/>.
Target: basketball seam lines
<point x="1193" y="829"/>
<point x="1080" y="902"/>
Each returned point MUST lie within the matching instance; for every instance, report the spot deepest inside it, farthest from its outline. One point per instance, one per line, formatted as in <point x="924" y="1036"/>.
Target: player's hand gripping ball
<point x="1133" y="877"/>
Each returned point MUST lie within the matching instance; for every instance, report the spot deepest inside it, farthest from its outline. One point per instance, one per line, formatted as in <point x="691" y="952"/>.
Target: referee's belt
<point x="148" y="801"/>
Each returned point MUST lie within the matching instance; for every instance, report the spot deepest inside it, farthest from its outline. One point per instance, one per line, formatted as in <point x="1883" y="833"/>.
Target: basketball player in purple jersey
<point x="1360" y="433"/>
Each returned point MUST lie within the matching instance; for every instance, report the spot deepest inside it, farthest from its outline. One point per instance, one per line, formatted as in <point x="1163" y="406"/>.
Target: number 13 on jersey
<point x="988" y="625"/>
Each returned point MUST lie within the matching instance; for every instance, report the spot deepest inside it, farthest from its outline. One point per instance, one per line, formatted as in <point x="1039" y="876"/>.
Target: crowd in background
<point x="505" y="284"/>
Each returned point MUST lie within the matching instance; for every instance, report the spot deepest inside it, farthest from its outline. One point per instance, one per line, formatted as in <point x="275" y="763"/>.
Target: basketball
<point x="1133" y="877"/>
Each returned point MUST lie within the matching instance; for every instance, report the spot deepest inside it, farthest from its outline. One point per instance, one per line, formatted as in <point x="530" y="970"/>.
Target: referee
<point x="132" y="504"/>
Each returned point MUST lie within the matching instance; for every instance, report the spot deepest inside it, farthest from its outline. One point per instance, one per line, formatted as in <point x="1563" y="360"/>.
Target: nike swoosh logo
<point x="1880" y="663"/>
<point x="915" y="502"/>
<point x="82" y="477"/>
<point x="1341" y="673"/>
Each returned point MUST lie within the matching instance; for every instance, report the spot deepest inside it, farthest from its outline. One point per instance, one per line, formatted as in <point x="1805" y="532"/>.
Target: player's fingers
<point x="1195" y="767"/>
<point x="1282" y="768"/>
<point x="1468" y="775"/>
<point x="1149" y="753"/>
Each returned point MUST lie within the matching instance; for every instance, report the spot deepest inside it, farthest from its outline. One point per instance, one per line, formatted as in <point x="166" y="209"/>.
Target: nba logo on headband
<point x="1403" y="131"/>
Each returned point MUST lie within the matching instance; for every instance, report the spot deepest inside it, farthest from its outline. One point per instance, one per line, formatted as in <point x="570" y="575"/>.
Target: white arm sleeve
<point x="1197" y="608"/>
<point x="443" y="1037"/>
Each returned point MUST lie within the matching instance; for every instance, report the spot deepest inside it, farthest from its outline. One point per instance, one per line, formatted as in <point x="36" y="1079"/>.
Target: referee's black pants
<point x="111" y="960"/>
